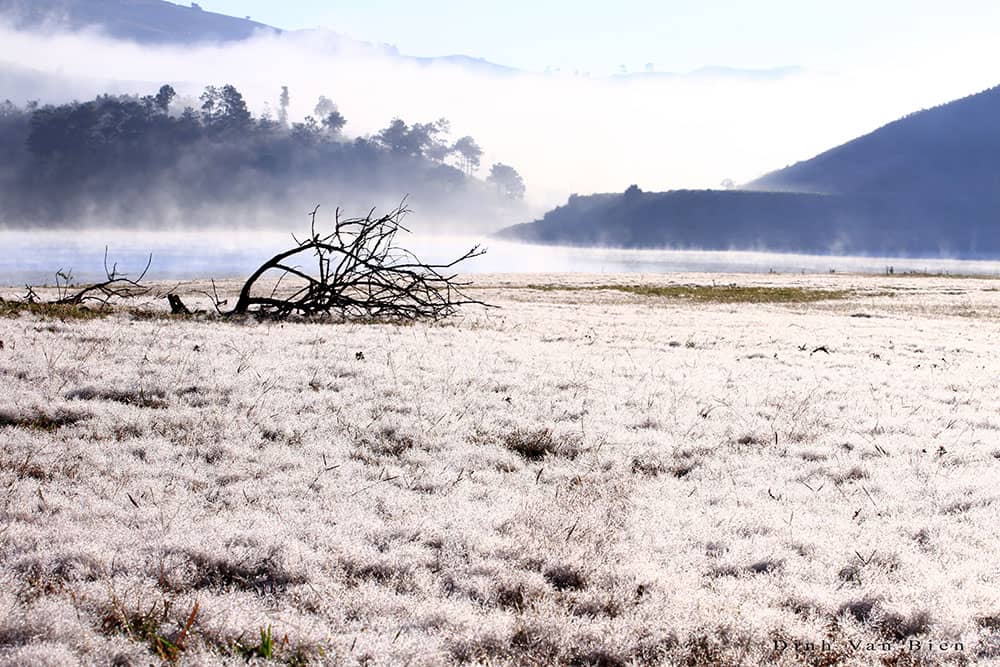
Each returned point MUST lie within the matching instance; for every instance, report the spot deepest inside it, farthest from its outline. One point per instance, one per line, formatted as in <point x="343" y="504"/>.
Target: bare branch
<point x="116" y="286"/>
<point x="359" y="272"/>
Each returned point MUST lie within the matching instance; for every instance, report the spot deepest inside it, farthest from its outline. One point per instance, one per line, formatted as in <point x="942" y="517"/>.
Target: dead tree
<point x="115" y="286"/>
<point x="358" y="273"/>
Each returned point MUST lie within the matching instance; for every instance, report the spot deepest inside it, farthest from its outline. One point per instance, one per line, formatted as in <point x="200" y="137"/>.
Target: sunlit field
<point x="604" y="470"/>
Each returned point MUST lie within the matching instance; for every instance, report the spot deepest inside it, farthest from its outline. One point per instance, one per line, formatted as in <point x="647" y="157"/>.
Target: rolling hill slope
<point x="157" y="22"/>
<point x="926" y="184"/>
<point x="144" y="21"/>
<point x="952" y="150"/>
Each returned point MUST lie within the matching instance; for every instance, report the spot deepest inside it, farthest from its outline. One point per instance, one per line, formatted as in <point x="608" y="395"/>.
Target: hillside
<point x="926" y="184"/>
<point x="746" y="220"/>
<point x="157" y="22"/>
<point x="103" y="160"/>
<point x="952" y="150"/>
<point x="144" y="21"/>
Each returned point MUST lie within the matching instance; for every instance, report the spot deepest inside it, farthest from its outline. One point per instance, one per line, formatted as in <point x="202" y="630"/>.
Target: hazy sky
<point x="863" y="64"/>
<point x="674" y="35"/>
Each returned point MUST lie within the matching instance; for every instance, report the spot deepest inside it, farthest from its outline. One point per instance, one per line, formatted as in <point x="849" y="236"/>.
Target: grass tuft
<point x="54" y="311"/>
<point x="142" y="398"/>
<point x="732" y="293"/>
<point x="263" y="577"/>
<point x="143" y="624"/>
<point x="565" y="577"/>
<point x="536" y="444"/>
<point x="262" y="649"/>
<point x="649" y="465"/>
<point x="898" y="627"/>
<point x="596" y="657"/>
<point x="39" y="420"/>
<point x="766" y="566"/>
<point x="513" y="597"/>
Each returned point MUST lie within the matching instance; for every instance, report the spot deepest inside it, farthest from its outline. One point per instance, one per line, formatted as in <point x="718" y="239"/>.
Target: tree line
<point x="153" y="153"/>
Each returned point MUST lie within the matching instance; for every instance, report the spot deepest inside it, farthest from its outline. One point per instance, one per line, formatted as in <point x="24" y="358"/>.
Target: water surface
<point x="34" y="257"/>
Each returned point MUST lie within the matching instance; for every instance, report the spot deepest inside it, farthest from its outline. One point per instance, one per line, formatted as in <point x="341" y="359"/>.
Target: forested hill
<point x="926" y="184"/>
<point x="134" y="161"/>
<point x="952" y="151"/>
<point x="145" y="21"/>
<point x="746" y="220"/>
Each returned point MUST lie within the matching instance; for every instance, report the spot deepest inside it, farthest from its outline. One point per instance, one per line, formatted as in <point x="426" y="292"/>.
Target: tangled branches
<point x="115" y="286"/>
<point x="360" y="273"/>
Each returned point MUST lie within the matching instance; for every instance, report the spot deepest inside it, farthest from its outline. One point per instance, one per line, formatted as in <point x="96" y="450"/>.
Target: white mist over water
<point x="564" y="134"/>
<point x="35" y="256"/>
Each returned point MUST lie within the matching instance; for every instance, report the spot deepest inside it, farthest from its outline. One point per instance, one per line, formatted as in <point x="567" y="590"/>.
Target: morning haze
<point x="515" y="333"/>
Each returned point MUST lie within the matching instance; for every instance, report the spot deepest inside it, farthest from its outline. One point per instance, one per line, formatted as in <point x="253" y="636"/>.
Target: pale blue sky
<point x="675" y="35"/>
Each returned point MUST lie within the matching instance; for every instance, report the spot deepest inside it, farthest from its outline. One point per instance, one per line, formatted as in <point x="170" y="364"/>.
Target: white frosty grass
<point x="580" y="477"/>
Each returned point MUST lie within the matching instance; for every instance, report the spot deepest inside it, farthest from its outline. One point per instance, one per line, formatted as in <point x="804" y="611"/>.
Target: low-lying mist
<point x="33" y="257"/>
<point x="564" y="133"/>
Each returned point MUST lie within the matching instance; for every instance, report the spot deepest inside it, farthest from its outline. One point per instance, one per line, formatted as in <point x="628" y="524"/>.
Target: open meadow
<point x="605" y="470"/>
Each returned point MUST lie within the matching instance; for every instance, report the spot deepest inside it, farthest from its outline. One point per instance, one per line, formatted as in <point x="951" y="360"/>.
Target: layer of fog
<point x="35" y="256"/>
<point x="563" y="133"/>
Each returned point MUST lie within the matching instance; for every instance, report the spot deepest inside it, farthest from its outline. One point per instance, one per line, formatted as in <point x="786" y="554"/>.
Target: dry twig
<point x="117" y="285"/>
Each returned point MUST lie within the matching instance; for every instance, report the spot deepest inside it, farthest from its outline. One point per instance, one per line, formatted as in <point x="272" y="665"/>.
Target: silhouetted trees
<point x="334" y="122"/>
<point x="164" y="97"/>
<point x="507" y="181"/>
<point x="329" y="116"/>
<point x="422" y="140"/>
<point x="225" y="109"/>
<point x="283" y="103"/>
<point x="124" y="150"/>
<point x="469" y="154"/>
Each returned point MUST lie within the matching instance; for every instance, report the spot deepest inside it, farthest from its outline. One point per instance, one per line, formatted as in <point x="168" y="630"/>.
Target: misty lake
<point x="34" y="257"/>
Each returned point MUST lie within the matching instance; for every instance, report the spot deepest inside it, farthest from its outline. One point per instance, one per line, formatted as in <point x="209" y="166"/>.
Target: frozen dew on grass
<point x="561" y="481"/>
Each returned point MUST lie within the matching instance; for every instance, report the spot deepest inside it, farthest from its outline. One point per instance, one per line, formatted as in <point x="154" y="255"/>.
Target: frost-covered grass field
<point x="581" y="477"/>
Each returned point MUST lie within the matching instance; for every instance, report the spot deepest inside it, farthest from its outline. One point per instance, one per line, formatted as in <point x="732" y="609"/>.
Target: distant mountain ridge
<point x="952" y="149"/>
<point x="926" y="184"/>
<point x="717" y="73"/>
<point x="159" y="22"/>
<point x="144" y="21"/>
